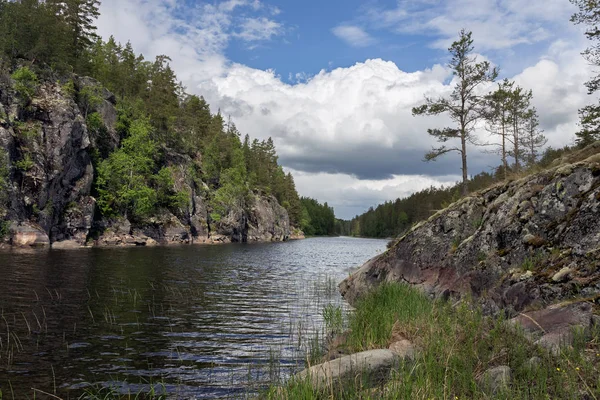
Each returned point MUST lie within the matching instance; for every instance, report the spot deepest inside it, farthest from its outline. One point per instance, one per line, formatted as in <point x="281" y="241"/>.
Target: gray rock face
<point x="48" y="147"/>
<point x="504" y="245"/>
<point x="51" y="175"/>
<point x="371" y="367"/>
<point x="267" y="221"/>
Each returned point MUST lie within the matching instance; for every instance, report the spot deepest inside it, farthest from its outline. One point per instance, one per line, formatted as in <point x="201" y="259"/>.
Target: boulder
<point x="404" y="349"/>
<point x="29" y="234"/>
<point x="66" y="245"/>
<point x="495" y="379"/>
<point x="553" y="328"/>
<point x="371" y="367"/>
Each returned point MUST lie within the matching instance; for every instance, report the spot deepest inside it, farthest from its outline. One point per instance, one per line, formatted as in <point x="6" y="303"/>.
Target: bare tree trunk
<point x="516" y="144"/>
<point x="504" y="160"/>
<point x="465" y="176"/>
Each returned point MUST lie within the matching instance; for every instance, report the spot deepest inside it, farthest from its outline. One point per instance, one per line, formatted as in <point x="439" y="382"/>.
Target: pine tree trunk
<point x="504" y="160"/>
<point x="465" y="176"/>
<point x="516" y="134"/>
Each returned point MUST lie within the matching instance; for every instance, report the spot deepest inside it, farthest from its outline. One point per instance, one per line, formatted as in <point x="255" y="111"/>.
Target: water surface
<point x="204" y="321"/>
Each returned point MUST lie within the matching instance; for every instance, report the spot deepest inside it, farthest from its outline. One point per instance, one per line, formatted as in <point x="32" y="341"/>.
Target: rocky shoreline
<point x="50" y="201"/>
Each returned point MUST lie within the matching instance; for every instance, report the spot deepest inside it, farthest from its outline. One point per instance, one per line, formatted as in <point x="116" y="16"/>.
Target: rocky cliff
<point x="521" y="245"/>
<point x="49" y="149"/>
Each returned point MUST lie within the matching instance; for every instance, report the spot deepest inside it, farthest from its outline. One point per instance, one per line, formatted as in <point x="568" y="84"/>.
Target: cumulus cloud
<point x="346" y="132"/>
<point x="353" y="35"/>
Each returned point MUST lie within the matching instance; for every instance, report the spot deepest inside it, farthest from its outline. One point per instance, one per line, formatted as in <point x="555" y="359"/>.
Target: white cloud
<point x="349" y="195"/>
<point x="353" y="35"/>
<point x="346" y="132"/>
<point x="496" y="24"/>
<point x="255" y="29"/>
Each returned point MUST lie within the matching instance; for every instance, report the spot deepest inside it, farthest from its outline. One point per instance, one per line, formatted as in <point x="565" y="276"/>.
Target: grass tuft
<point x="458" y="344"/>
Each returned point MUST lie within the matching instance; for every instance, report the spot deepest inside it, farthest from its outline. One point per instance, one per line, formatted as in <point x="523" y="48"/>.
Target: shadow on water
<point x="204" y="321"/>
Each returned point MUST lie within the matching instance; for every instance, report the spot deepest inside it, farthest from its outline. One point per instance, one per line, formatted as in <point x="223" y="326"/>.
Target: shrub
<point x="26" y="82"/>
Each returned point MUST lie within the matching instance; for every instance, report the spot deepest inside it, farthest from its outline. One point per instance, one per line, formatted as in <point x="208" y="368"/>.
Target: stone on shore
<point x="372" y="366"/>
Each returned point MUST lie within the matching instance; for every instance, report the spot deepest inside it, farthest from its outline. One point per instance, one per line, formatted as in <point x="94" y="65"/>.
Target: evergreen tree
<point x="464" y="106"/>
<point x="498" y="121"/>
<point x="518" y="110"/>
<point x="532" y="139"/>
<point x="79" y="16"/>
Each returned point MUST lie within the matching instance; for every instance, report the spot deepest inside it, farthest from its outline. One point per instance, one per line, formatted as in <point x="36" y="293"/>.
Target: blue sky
<point x="308" y="44"/>
<point x="333" y="82"/>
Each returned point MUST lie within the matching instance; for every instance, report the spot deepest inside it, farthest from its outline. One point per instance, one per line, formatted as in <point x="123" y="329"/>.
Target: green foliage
<point x="89" y="98"/>
<point x="98" y="129"/>
<point x="317" y="219"/>
<point x="233" y="190"/>
<point x="68" y="89"/>
<point x="589" y="15"/>
<point x="333" y="319"/>
<point x="123" y="177"/>
<point x="4" y="181"/>
<point x="28" y="132"/>
<point x="26" y="83"/>
<point x="166" y="195"/>
<point x="25" y="164"/>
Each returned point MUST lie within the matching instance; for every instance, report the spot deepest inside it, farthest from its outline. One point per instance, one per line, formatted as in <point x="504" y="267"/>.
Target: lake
<point x="202" y="321"/>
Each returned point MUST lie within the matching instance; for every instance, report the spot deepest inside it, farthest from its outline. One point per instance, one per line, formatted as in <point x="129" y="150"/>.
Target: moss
<point x="536" y="241"/>
<point x="502" y="252"/>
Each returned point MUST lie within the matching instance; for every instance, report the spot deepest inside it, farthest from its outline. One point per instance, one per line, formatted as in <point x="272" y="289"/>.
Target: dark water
<point x="204" y="321"/>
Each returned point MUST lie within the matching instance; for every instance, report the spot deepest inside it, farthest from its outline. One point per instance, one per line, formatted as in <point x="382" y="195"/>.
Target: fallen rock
<point x="372" y="366"/>
<point x="495" y="379"/>
<point x="562" y="275"/>
<point x="552" y="328"/>
<point x="29" y="234"/>
<point x="66" y="245"/>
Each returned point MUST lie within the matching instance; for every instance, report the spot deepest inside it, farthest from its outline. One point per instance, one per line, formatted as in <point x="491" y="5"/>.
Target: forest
<point x="52" y="40"/>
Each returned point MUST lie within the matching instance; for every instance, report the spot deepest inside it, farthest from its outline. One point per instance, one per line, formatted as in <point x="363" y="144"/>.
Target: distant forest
<point x="393" y="218"/>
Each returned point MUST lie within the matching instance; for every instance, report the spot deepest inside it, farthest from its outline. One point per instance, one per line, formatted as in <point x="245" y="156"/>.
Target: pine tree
<point x="498" y="121"/>
<point x="533" y="139"/>
<point x="464" y="106"/>
<point x="518" y="111"/>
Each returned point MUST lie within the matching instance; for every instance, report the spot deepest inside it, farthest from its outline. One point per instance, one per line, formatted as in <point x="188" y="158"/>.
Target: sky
<point x="333" y="82"/>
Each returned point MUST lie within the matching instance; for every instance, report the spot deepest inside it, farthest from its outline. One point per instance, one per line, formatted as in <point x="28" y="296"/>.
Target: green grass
<point x="457" y="345"/>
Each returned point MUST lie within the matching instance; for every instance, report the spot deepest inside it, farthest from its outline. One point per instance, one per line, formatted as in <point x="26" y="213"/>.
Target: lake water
<point x="202" y="321"/>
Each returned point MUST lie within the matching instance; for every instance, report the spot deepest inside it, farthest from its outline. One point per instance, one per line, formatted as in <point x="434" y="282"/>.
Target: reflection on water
<point x="205" y="321"/>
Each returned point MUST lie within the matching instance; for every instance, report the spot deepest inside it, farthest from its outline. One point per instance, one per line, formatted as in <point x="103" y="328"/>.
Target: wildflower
<point x="558" y="369"/>
<point x="577" y="369"/>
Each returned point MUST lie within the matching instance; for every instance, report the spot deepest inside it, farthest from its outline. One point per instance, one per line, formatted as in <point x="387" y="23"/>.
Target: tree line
<point x="394" y="218"/>
<point x="41" y="40"/>
<point x="317" y="219"/>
